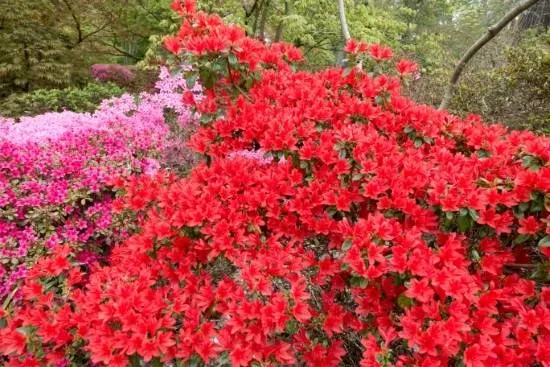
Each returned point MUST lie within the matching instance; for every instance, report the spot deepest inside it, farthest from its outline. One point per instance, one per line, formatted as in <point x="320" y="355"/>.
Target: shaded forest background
<point x="71" y="54"/>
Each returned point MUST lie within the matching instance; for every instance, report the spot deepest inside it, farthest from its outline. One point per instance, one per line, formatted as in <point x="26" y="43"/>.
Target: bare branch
<point x="249" y="12"/>
<point x="492" y="31"/>
<point x="76" y="21"/>
<point x="121" y="51"/>
<point x="86" y="36"/>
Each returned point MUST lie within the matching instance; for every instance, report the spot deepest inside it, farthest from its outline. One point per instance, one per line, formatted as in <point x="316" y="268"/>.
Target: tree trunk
<point x="248" y="13"/>
<point x="26" y="54"/>
<point x="280" y="26"/>
<point x="343" y="21"/>
<point x="491" y="33"/>
<point x="263" y="20"/>
<point x="345" y="32"/>
<point x="258" y="14"/>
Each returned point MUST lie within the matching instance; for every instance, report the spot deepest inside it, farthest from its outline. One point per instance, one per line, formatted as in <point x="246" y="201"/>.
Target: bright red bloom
<point x="529" y="225"/>
<point x="12" y="342"/>
<point x="380" y="53"/>
<point x="405" y="67"/>
<point x="172" y="44"/>
<point x="420" y="290"/>
<point x="329" y="207"/>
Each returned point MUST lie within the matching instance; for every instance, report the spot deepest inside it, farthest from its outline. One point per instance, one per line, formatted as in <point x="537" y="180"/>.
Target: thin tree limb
<point x="247" y="12"/>
<point x="521" y="266"/>
<point x="76" y="21"/>
<point x="317" y="45"/>
<point x="235" y="85"/>
<point x="86" y="36"/>
<point x="492" y="31"/>
<point x="121" y="51"/>
<point x="140" y="3"/>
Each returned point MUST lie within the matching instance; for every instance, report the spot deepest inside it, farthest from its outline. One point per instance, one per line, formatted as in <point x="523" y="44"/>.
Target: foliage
<point x="517" y="90"/>
<point x="436" y="32"/>
<point x="74" y="99"/>
<point x="333" y="222"/>
<point x="34" y="54"/>
<point x="311" y="25"/>
<point x="57" y="172"/>
<point x="316" y="28"/>
<point x="52" y="44"/>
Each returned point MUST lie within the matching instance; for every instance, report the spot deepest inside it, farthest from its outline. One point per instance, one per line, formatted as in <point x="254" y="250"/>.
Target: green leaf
<point x="205" y="119"/>
<point x="291" y="326"/>
<point x="206" y="77"/>
<point x="219" y="65"/>
<point x="531" y="162"/>
<point x="464" y="223"/>
<point x="232" y="60"/>
<point x="545" y="242"/>
<point x="9" y="298"/>
<point x="347" y="244"/>
<point x="542" y="272"/>
<point x="523" y="207"/>
<point x="357" y="281"/>
<point x="191" y="80"/>
<point x="194" y="361"/>
<point x="474" y="214"/>
<point x="404" y="302"/>
<point x="418" y="142"/>
<point x="521" y="238"/>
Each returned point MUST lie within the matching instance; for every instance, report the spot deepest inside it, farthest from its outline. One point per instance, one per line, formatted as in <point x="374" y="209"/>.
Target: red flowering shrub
<point x="372" y="232"/>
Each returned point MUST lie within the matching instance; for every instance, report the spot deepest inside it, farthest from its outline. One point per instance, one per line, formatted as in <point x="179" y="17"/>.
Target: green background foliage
<point x="75" y="99"/>
<point x="51" y="44"/>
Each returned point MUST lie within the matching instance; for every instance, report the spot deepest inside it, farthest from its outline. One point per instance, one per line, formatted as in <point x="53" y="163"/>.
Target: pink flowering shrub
<point x="57" y="169"/>
<point x="119" y="74"/>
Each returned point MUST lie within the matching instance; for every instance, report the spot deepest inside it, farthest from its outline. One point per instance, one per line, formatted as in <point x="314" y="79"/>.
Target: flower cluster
<point x="360" y="229"/>
<point x="56" y="169"/>
<point x="119" y="74"/>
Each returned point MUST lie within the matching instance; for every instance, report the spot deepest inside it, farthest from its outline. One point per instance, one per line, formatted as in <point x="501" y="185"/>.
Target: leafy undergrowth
<point x="333" y="222"/>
